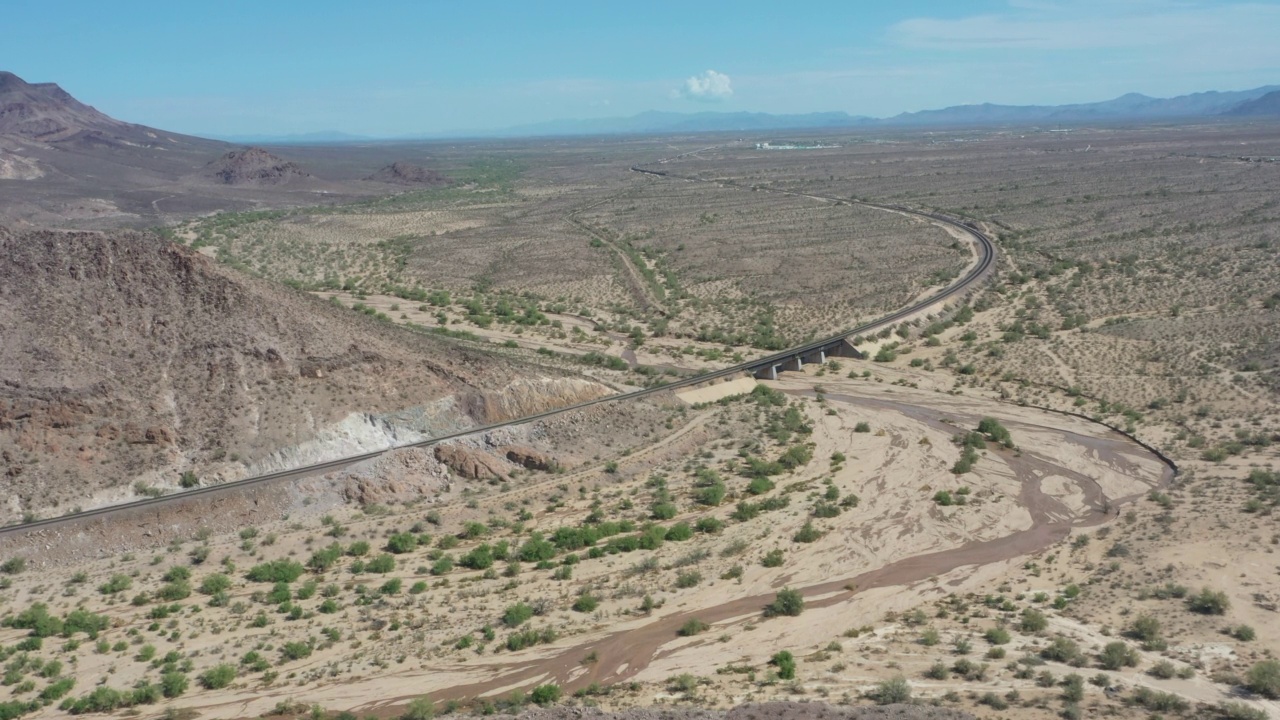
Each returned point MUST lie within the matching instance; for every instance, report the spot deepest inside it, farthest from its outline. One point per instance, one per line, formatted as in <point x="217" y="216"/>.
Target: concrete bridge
<point x="768" y="368"/>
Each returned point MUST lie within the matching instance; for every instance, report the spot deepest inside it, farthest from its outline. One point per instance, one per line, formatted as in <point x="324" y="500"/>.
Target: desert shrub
<point x="295" y="650"/>
<point x="1163" y="670"/>
<point x="103" y="699"/>
<point x="276" y="571"/>
<point x="773" y="558"/>
<point x="688" y="579"/>
<point x="1116" y="655"/>
<point x="117" y="583"/>
<point x="892" y="691"/>
<point x="176" y="590"/>
<point x="796" y="456"/>
<point x="479" y="558"/>
<point x="996" y="636"/>
<point x="1073" y="688"/>
<point x="1240" y="711"/>
<point x="1264" y="678"/>
<point x="938" y="671"/>
<point x="173" y="684"/>
<point x="545" y="694"/>
<point x="786" y="664"/>
<point x="1033" y="621"/>
<point x="420" y="709"/>
<point x="691" y="627"/>
<point x="517" y="615"/>
<point x="664" y="510"/>
<point x="536" y="549"/>
<point x="57" y="689"/>
<point x="994" y="431"/>
<point x="359" y="548"/>
<point x="1243" y="633"/>
<point x="218" y="676"/>
<point x="993" y="701"/>
<point x="1209" y="602"/>
<point x="1145" y="628"/>
<point x="1063" y="650"/>
<point x="215" y="583"/>
<point x="586" y="603"/>
<point x="807" y="534"/>
<point x="679" y="532"/>
<point x="442" y="565"/>
<point x="786" y="602"/>
<point x="1158" y="701"/>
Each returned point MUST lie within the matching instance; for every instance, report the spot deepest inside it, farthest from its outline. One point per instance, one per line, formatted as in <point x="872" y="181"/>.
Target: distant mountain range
<point x="1262" y="101"/>
<point x="1258" y="102"/>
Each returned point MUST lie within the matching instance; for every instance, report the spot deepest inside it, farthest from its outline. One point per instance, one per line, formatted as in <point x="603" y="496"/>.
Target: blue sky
<point x="395" y="68"/>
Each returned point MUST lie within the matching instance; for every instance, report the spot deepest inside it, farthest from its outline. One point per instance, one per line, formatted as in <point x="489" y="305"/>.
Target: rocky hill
<point x="402" y="173"/>
<point x="254" y="166"/>
<point x="79" y="167"/>
<point x="126" y="361"/>
<point x="46" y="112"/>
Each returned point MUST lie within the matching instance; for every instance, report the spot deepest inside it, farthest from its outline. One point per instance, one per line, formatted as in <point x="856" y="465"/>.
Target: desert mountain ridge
<point x="126" y="359"/>
<point x="66" y="164"/>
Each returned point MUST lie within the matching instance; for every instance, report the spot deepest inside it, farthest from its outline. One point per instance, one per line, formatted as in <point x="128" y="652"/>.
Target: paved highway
<point x="983" y="245"/>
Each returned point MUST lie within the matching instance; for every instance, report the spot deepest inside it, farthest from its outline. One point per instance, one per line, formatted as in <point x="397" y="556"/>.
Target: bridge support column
<point x="799" y="363"/>
<point x="822" y="357"/>
<point x="769" y="372"/>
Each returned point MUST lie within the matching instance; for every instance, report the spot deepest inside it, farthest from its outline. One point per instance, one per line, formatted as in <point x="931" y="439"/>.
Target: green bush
<point x="118" y="583"/>
<point x="586" y="603"/>
<point x="688" y="579"/>
<point x="517" y="615"/>
<point x="295" y="650"/>
<point x="807" y="534"/>
<point x="997" y="636"/>
<point x="215" y="583"/>
<point x="218" y="676"/>
<point x="325" y="558"/>
<point x="787" y="602"/>
<point x="786" y="664"/>
<point x="545" y="694"/>
<point x="276" y="571"/>
<point x="773" y="558"/>
<point x="420" y="709"/>
<point x="1116" y="655"/>
<point x="679" y="532"/>
<point x="382" y="564"/>
<point x="691" y="627"/>
<point x="1209" y="602"/>
<point x="1033" y="621"/>
<point x="56" y="689"/>
<point x="1264" y="678"/>
<point x="401" y="543"/>
<point x="664" y="510"/>
<point x="173" y="684"/>
<point x="892" y="691"/>
<point x="176" y="590"/>
<point x="708" y="525"/>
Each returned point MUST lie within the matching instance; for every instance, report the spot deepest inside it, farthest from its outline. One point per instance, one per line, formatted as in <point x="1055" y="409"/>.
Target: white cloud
<point x="709" y="86"/>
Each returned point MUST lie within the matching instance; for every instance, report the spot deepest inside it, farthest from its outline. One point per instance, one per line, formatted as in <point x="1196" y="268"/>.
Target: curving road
<point x="984" y="247"/>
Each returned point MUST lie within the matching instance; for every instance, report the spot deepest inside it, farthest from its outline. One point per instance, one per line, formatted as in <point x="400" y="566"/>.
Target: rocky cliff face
<point x="126" y="361"/>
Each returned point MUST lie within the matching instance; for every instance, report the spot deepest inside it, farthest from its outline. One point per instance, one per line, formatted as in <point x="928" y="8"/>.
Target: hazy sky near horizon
<point x="380" y="68"/>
